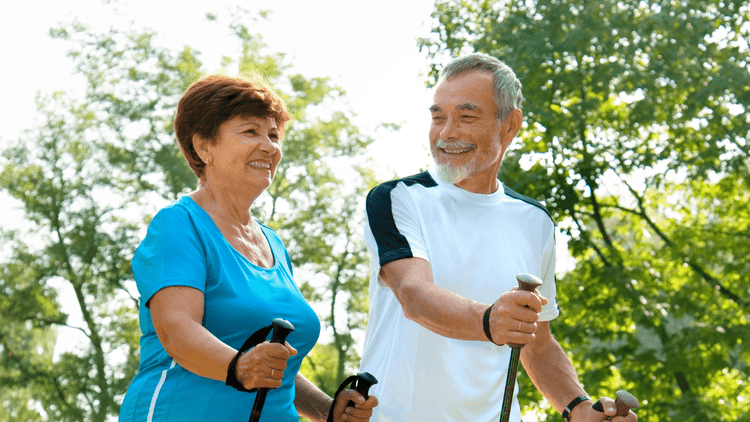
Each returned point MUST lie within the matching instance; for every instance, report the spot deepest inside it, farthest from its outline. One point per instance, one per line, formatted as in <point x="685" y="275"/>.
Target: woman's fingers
<point x="263" y="366"/>
<point x="360" y="412"/>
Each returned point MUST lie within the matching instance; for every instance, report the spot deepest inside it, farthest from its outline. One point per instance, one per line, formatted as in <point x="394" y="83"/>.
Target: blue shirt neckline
<point x="205" y="215"/>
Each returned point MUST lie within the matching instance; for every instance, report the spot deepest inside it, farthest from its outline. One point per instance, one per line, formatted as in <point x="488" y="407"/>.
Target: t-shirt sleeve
<point x="550" y="311"/>
<point x="393" y="230"/>
<point x="171" y="254"/>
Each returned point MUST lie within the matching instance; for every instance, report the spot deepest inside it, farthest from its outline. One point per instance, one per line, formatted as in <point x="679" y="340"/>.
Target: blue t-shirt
<point x="183" y="247"/>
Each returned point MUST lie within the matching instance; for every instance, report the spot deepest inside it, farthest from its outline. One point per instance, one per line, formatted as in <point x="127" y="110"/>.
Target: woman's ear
<point x="202" y="148"/>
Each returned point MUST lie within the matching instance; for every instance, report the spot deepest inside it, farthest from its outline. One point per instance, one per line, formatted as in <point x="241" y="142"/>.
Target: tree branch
<point x="641" y="212"/>
<point x="43" y="377"/>
<point x="104" y="399"/>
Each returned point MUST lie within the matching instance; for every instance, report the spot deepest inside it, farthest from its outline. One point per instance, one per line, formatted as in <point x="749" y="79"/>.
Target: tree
<point x="636" y="139"/>
<point x="94" y="171"/>
<point x="80" y="240"/>
<point x="25" y="319"/>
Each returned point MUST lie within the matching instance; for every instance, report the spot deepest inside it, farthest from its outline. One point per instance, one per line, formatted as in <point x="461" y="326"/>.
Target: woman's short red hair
<point x="214" y="99"/>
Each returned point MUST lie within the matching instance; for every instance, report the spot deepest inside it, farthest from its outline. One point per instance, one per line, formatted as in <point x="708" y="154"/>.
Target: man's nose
<point x="450" y="130"/>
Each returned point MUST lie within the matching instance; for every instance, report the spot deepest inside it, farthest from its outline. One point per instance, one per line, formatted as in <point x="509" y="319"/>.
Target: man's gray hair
<point x="507" y="86"/>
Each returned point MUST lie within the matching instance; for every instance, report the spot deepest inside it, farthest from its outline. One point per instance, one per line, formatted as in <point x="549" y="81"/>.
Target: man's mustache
<point x="458" y="144"/>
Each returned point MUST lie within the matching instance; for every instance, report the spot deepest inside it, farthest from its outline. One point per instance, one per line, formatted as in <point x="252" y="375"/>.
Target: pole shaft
<point x="528" y="283"/>
<point x="510" y="384"/>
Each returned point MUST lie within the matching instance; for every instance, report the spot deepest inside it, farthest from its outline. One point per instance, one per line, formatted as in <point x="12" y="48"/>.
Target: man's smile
<point x="454" y="147"/>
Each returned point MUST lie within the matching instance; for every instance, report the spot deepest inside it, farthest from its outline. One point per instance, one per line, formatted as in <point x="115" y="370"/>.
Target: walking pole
<point x="529" y="283"/>
<point x="364" y="381"/>
<point x="281" y="328"/>
<point x="360" y="382"/>
<point x="624" y="401"/>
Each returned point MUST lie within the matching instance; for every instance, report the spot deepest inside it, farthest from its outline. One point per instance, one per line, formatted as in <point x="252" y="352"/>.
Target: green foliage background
<point x="636" y="138"/>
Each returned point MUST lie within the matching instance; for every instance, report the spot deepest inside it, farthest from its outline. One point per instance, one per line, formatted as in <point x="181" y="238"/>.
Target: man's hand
<point x="513" y="317"/>
<point x="584" y="412"/>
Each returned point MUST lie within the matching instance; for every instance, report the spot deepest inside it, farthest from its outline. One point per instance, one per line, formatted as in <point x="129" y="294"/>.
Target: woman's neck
<point x="229" y="206"/>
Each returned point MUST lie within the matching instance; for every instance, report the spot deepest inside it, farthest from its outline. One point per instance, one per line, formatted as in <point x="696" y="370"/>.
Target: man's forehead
<point x="474" y="86"/>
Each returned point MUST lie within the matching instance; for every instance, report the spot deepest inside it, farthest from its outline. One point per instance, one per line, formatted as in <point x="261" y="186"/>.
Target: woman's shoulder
<point x="175" y="214"/>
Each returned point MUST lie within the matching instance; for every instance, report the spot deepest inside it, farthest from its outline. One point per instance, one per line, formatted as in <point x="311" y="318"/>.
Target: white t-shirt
<point x="476" y="245"/>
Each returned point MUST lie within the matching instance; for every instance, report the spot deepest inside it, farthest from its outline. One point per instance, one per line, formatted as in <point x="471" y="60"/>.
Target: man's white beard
<point x="454" y="174"/>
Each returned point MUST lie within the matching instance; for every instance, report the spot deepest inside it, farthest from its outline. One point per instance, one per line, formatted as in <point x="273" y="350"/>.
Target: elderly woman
<point x="210" y="275"/>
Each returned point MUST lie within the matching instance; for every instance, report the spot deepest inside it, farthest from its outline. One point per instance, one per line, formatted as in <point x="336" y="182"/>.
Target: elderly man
<point x="445" y="245"/>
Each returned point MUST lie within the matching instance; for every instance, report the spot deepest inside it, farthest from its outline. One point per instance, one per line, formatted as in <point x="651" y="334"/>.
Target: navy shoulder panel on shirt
<point x="392" y="245"/>
<point x="513" y="194"/>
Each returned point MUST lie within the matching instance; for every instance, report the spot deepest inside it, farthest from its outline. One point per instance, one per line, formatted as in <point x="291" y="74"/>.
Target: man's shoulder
<point x="515" y="195"/>
<point x="423" y="179"/>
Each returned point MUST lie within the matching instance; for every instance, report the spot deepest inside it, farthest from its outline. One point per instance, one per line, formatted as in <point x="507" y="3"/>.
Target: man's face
<point x="465" y="132"/>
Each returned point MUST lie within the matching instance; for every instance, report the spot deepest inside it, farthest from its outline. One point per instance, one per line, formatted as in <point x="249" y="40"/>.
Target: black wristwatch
<point x="578" y="400"/>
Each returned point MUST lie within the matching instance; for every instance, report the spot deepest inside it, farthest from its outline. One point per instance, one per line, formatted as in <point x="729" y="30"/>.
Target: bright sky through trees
<point x="368" y="48"/>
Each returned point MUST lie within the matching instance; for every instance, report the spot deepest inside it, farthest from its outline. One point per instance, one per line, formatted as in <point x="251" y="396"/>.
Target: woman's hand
<point x="360" y="412"/>
<point x="263" y="366"/>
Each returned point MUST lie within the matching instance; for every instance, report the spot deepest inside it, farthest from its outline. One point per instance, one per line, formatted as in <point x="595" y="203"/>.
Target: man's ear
<point x="510" y="127"/>
<point x="512" y="123"/>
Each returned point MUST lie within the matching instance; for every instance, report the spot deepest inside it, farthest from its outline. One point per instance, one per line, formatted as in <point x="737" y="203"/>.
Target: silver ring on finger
<point x="272" y="372"/>
<point x="519" y="326"/>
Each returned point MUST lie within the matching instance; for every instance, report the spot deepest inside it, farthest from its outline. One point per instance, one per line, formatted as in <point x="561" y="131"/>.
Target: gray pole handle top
<point x="528" y="282"/>
<point x="624" y="401"/>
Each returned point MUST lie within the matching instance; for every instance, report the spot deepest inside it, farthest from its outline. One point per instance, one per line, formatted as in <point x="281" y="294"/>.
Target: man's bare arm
<point x="454" y="316"/>
<point x="553" y="375"/>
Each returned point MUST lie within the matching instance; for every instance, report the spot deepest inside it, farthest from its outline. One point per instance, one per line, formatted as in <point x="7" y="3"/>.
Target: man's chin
<point x="451" y="174"/>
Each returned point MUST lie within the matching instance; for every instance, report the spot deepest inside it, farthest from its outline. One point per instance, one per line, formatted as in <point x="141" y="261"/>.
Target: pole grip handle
<point x="365" y="380"/>
<point x="281" y="329"/>
<point x="624" y="401"/>
<point x="528" y="283"/>
<point x="360" y="382"/>
<point x="362" y="385"/>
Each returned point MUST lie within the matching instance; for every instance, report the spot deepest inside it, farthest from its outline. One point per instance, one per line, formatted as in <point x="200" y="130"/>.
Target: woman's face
<point x="246" y="153"/>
